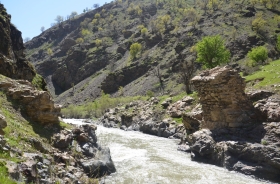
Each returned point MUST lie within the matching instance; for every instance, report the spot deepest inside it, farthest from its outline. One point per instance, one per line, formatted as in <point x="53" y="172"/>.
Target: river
<point x="144" y="159"/>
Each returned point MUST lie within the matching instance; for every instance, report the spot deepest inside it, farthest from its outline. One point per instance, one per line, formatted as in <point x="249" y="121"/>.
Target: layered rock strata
<point x="224" y="103"/>
<point x="38" y="105"/>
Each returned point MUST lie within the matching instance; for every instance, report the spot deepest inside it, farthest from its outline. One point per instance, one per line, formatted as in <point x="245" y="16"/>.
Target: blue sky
<point x="30" y="15"/>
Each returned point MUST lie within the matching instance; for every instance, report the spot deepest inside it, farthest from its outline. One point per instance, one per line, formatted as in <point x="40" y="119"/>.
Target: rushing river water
<point x="144" y="159"/>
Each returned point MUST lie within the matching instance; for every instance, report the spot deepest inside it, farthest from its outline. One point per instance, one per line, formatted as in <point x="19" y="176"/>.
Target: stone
<point x="224" y="103"/>
<point x="3" y="122"/>
<point x="166" y="103"/>
<point x="101" y="165"/>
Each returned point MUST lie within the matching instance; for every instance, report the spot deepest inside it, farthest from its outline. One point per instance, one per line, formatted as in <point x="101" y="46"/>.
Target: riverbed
<point x="144" y="159"/>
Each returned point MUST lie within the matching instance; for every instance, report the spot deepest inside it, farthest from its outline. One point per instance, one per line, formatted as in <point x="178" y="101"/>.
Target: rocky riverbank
<point x="150" y="117"/>
<point x="75" y="157"/>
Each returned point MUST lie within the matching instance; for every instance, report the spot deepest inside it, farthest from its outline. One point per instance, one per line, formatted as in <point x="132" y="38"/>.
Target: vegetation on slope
<point x="267" y="76"/>
<point x="99" y="41"/>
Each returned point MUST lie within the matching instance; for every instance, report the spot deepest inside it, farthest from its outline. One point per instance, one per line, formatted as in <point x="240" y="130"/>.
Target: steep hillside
<point x="89" y="53"/>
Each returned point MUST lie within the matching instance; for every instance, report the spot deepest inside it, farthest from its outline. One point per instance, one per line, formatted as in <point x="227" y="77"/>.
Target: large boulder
<point x="101" y="165"/>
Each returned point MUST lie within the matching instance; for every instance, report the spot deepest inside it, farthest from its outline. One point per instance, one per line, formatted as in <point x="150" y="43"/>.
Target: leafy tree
<point x="258" y="54"/>
<point x="273" y="3"/>
<point x="192" y="15"/>
<point x="211" y="51"/>
<point x="135" y="48"/>
<point x="278" y="43"/>
<point x="98" y="42"/>
<point x="97" y="16"/>
<point x="79" y="40"/>
<point x="42" y="29"/>
<point x="49" y="51"/>
<point x="73" y="14"/>
<point x="265" y="2"/>
<point x="144" y="31"/>
<point x="85" y="32"/>
<point x="96" y="6"/>
<point x="59" y="19"/>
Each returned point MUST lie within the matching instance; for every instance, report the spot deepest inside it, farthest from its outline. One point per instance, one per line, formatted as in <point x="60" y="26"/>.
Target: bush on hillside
<point x="135" y="48"/>
<point x="258" y="54"/>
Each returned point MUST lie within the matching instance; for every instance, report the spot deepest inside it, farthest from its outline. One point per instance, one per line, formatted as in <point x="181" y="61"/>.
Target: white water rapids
<point x="144" y="159"/>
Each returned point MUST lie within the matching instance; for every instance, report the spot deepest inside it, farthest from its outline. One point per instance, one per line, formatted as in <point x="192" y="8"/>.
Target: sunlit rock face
<point x="224" y="103"/>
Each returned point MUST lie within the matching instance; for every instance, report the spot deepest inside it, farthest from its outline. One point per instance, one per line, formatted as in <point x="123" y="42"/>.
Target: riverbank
<point x="142" y="158"/>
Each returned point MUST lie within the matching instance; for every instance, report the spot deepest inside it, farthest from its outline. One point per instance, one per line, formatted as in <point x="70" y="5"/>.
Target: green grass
<point x="98" y="107"/>
<point x="269" y="75"/>
<point x="38" y="82"/>
<point x="178" y="120"/>
<point x="4" y="177"/>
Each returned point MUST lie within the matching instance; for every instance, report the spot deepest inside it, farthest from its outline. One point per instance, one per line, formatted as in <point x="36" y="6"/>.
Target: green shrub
<point x="258" y="23"/>
<point x="150" y="93"/>
<point x="135" y="48"/>
<point x="258" y="54"/>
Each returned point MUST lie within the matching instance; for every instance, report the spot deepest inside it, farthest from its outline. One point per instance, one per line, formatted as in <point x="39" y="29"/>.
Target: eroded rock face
<point x="224" y="103"/>
<point x="12" y="59"/>
<point x="252" y="151"/>
<point x="38" y="105"/>
<point x="95" y="160"/>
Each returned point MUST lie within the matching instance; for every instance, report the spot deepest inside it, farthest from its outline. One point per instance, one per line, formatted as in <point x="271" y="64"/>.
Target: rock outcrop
<point x="12" y="59"/>
<point x="224" y="102"/>
<point x="38" y="105"/>
<point x="228" y="140"/>
<point x="95" y="160"/>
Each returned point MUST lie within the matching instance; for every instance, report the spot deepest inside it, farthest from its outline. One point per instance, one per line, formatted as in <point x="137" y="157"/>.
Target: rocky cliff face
<point x="12" y="59"/>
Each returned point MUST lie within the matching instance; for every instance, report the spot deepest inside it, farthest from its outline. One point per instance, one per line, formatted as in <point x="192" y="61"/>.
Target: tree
<point x="49" y="51"/>
<point x="96" y="6"/>
<point x="135" y="48"/>
<point x="258" y="23"/>
<point x="79" y="40"/>
<point x="193" y="16"/>
<point x="157" y="73"/>
<point x="59" y="19"/>
<point x="144" y="32"/>
<point x="26" y="39"/>
<point x="73" y="14"/>
<point x="42" y="29"/>
<point x="258" y="54"/>
<point x="186" y="74"/>
<point x="211" y="51"/>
